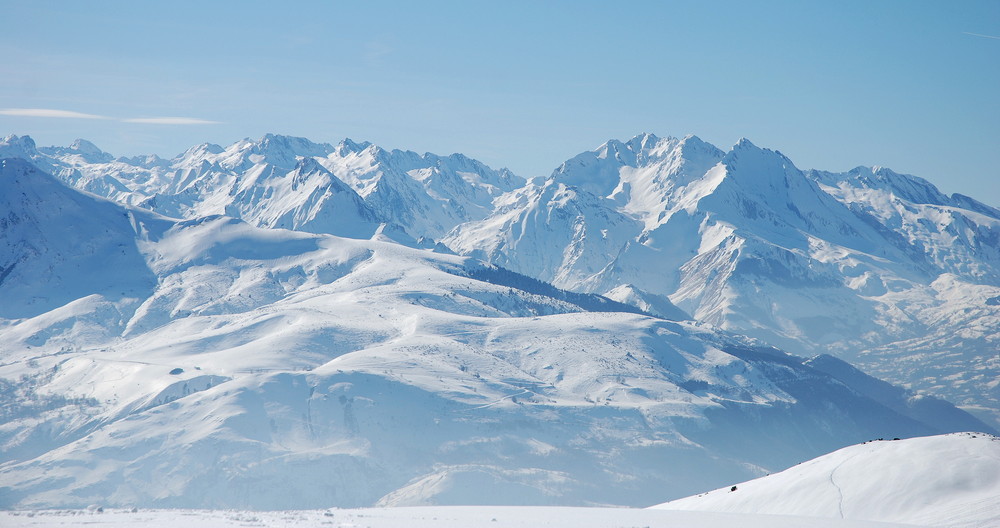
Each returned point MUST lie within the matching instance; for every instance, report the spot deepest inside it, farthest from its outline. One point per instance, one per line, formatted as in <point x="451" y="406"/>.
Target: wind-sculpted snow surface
<point x="269" y="369"/>
<point x="947" y="481"/>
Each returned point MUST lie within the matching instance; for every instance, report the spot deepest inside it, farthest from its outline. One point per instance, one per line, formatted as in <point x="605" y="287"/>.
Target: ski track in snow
<point x="840" y="491"/>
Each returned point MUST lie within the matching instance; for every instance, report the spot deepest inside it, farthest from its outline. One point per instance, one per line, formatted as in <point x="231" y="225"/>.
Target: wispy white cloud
<point x="69" y="114"/>
<point x="170" y="121"/>
<point x="48" y="112"/>
<point x="981" y="35"/>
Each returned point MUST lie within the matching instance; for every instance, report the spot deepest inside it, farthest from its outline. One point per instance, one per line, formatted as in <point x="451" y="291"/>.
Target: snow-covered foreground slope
<point x="424" y="517"/>
<point x="265" y="368"/>
<point x="948" y="480"/>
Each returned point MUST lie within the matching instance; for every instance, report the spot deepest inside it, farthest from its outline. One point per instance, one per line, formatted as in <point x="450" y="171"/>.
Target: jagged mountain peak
<point x="90" y="151"/>
<point x="284" y="151"/>
<point x="763" y="195"/>
<point x="657" y="165"/>
<point x="347" y="145"/>
<point x="204" y="148"/>
<point x="768" y="177"/>
<point x="646" y="138"/>
<point x="271" y="141"/>
<point x="967" y="202"/>
<point x="638" y="149"/>
<point x="13" y="146"/>
<point x="645" y="141"/>
<point x="947" y="234"/>
<point x="279" y="150"/>
<point x="881" y="179"/>
<point x="14" y="139"/>
<point x="306" y="165"/>
<point x="745" y="149"/>
<point x="79" y="152"/>
<point x="744" y="143"/>
<point x="147" y="161"/>
<point x="650" y="148"/>
<point x="197" y="154"/>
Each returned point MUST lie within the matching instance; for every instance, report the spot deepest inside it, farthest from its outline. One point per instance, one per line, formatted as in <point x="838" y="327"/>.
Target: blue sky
<point x="910" y="85"/>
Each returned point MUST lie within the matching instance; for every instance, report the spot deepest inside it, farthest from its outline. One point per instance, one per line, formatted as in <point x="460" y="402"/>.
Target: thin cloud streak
<point x="981" y="35"/>
<point x="48" y="112"/>
<point x="171" y="121"/>
<point x="69" y="114"/>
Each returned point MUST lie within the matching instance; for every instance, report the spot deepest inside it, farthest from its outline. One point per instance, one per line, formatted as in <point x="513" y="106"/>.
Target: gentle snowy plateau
<point x="281" y="324"/>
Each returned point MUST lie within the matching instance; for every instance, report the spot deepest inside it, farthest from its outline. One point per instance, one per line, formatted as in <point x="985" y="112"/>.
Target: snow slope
<point x="230" y="366"/>
<point x="424" y="517"/>
<point x="948" y="481"/>
<point x="82" y="241"/>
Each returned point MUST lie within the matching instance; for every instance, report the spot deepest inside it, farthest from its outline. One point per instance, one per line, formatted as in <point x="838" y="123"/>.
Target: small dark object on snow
<point x="732" y="488"/>
<point x="177" y="371"/>
<point x="895" y="438"/>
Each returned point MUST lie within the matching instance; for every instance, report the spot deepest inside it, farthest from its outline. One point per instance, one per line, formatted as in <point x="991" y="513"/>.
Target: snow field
<point x="423" y="517"/>
<point x="947" y="480"/>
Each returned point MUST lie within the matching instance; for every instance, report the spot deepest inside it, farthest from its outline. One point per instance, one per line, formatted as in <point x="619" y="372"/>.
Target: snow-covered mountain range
<point x="212" y="363"/>
<point x="292" y="183"/>
<point x="286" y="324"/>
<point x="878" y="268"/>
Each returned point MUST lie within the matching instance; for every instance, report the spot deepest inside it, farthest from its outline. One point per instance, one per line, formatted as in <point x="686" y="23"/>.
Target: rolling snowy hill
<point x="211" y="363"/>
<point x="947" y="481"/>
